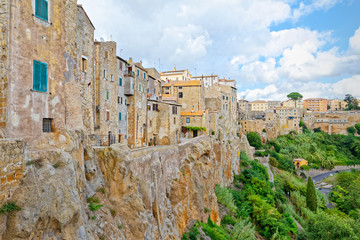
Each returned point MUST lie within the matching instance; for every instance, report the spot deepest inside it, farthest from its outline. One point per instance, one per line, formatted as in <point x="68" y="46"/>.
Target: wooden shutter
<point x="36" y="76"/>
<point x="38" y="8"/>
<point x="44" y="77"/>
<point x="44" y="10"/>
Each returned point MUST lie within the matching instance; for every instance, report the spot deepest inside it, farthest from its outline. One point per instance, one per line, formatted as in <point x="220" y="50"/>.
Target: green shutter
<point x="107" y="95"/>
<point x="120" y="116"/>
<point x="43" y="77"/>
<point x="44" y="10"/>
<point x="36" y="76"/>
<point x="120" y="82"/>
<point x="38" y="8"/>
<point x="138" y="72"/>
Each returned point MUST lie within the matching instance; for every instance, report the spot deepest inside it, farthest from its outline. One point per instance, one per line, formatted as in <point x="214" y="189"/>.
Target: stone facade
<point x="33" y="39"/>
<point x="122" y="101"/>
<point x="12" y="166"/>
<point x="138" y="76"/>
<point x="4" y="48"/>
<point x="106" y="91"/>
<point x="208" y="81"/>
<point x="163" y="121"/>
<point x="316" y="104"/>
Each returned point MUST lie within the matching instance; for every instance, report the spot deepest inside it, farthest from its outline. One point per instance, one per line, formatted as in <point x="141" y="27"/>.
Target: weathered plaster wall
<point x="4" y="41"/>
<point x="34" y="39"/>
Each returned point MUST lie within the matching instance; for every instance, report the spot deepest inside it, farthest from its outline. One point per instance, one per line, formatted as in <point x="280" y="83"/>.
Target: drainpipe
<point x="95" y="123"/>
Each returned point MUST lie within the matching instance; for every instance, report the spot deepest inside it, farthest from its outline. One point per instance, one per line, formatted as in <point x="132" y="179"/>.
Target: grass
<point x="9" y="208"/>
<point x="37" y="163"/>
<point x="330" y="180"/>
<point x="58" y="164"/>
<point x="92" y="199"/>
<point x="101" y="190"/>
<point x="225" y="197"/>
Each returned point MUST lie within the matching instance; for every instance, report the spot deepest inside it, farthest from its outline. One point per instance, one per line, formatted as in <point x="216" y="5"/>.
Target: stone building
<point x="32" y="69"/>
<point x="79" y="84"/>
<point x="228" y="82"/>
<point x="291" y="103"/>
<point x="136" y="80"/>
<point x="337" y="105"/>
<point x="243" y="109"/>
<point x="154" y="84"/>
<point x="274" y="104"/>
<point x="122" y="101"/>
<point x="259" y="105"/>
<point x="289" y="119"/>
<point x="106" y="94"/>
<point x="163" y="121"/>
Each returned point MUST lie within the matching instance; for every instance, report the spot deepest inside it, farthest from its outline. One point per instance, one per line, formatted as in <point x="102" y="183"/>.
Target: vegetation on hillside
<point x="255" y="208"/>
<point x="318" y="148"/>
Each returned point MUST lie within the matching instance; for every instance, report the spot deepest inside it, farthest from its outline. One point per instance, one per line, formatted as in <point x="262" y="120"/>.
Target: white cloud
<point x="305" y="9"/>
<point x="348" y="86"/>
<point x="355" y="42"/>
<point x="261" y="71"/>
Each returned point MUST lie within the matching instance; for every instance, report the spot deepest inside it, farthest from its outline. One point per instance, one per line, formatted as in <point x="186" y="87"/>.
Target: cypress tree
<point x="311" y="200"/>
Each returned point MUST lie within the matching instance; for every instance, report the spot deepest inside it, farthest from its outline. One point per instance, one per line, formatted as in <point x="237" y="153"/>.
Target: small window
<point x="83" y="64"/>
<point x="174" y="110"/>
<point x="150" y="123"/>
<point x="107" y="116"/>
<point x="104" y="73"/>
<point x="120" y="65"/>
<point x="187" y="120"/>
<point x="119" y="116"/>
<point x="107" y="94"/>
<point x="42" y="9"/>
<point x="112" y="77"/>
<point x="120" y="82"/>
<point x="40" y="76"/>
<point x="174" y="120"/>
<point x="180" y="95"/>
<point x="138" y="72"/>
<point x="47" y="122"/>
<point x="106" y="54"/>
<point x="180" y="88"/>
<point x="140" y="87"/>
<point x="167" y="88"/>
<point x="144" y="75"/>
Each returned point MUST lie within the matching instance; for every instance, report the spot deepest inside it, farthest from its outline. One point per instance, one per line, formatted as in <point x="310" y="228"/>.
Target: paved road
<point x="322" y="176"/>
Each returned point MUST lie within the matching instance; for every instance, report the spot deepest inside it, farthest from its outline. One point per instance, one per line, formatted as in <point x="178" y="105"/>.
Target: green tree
<point x="352" y="102"/>
<point x="351" y="130"/>
<point x="311" y="200"/>
<point x="357" y="126"/>
<point x="295" y="96"/>
<point x="255" y="140"/>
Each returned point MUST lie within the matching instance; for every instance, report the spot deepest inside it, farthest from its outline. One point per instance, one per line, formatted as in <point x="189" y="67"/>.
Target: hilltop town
<point x="80" y="126"/>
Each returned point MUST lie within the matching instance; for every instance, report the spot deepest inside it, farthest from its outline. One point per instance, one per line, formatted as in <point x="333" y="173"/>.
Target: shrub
<point x="351" y="130"/>
<point x="213" y="133"/>
<point x="305" y="168"/>
<point x="273" y="162"/>
<point x="316" y="130"/>
<point x="225" y="197"/>
<point x="357" y="126"/>
<point x="9" y="208"/>
<point x="255" y="140"/>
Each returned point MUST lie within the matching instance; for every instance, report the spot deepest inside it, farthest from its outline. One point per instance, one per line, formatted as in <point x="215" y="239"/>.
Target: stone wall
<point x="4" y="38"/>
<point x="12" y="166"/>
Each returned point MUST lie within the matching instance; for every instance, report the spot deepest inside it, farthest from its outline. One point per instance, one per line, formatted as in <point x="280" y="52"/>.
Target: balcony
<point x="129" y="74"/>
<point x="129" y="85"/>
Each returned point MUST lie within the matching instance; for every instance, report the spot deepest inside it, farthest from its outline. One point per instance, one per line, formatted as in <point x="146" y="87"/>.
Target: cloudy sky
<point x="270" y="47"/>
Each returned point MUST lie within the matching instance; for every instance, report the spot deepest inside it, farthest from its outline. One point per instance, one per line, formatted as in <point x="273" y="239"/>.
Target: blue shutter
<point x="138" y="72"/>
<point x="36" y="76"/>
<point x="44" y="77"/>
<point x="44" y="10"/>
<point x="119" y="116"/>
<point x="120" y="82"/>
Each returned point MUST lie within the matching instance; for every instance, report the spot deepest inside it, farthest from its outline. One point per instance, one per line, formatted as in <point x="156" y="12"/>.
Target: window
<point x="107" y="117"/>
<point x="155" y="107"/>
<point x="83" y="64"/>
<point x="174" y="120"/>
<point x="47" y="125"/>
<point x="106" y="54"/>
<point x="144" y="75"/>
<point x="119" y="116"/>
<point x="112" y="77"/>
<point x="40" y="76"/>
<point x="133" y="86"/>
<point x="174" y="110"/>
<point x="104" y="73"/>
<point x="223" y="97"/>
<point x="140" y="87"/>
<point x="150" y="123"/>
<point x="138" y="72"/>
<point x="167" y="88"/>
<point x="107" y="94"/>
<point x="120" y="82"/>
<point x="187" y="120"/>
<point x="180" y="95"/>
<point x="120" y="65"/>
<point x="180" y="88"/>
<point x="42" y="9"/>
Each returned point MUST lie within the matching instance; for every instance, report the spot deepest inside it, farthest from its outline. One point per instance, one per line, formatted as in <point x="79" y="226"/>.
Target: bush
<point x="9" y="208"/>
<point x="273" y="162"/>
<point x="305" y="168"/>
<point x="255" y="140"/>
<point x="351" y="130"/>
<point x="226" y="198"/>
<point x="317" y="130"/>
<point x="357" y="126"/>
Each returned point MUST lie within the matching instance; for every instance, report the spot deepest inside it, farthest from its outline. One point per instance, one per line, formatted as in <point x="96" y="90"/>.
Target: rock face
<point x="150" y="193"/>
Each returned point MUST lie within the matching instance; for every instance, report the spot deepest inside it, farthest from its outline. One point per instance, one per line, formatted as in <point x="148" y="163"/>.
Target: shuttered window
<point x="119" y="116"/>
<point x="42" y="9"/>
<point x="40" y="76"/>
<point x="120" y="82"/>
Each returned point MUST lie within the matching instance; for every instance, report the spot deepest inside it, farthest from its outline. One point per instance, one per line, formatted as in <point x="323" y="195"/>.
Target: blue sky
<point x="270" y="47"/>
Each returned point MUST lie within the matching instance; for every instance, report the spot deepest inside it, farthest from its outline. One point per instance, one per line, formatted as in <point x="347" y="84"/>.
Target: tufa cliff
<point x="85" y="192"/>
